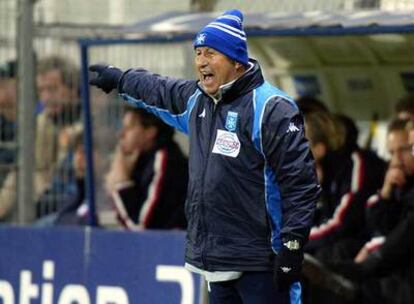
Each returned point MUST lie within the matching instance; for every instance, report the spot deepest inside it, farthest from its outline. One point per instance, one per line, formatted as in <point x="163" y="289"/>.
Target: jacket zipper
<point x="203" y="224"/>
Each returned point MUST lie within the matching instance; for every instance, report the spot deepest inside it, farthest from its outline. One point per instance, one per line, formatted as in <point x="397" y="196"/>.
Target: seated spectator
<point x="75" y="211"/>
<point x="148" y="175"/>
<point x="58" y="90"/>
<point x="348" y="175"/>
<point x="63" y="185"/>
<point x="386" y="208"/>
<point x="71" y="204"/>
<point x="345" y="178"/>
<point x="325" y="136"/>
<point x="384" y="267"/>
<point x="337" y="214"/>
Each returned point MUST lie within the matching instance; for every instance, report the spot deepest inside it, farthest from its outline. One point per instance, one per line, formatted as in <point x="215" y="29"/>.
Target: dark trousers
<point x="250" y="288"/>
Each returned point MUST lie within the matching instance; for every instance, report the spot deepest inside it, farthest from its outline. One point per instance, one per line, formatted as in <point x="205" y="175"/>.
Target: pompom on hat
<point x="226" y="35"/>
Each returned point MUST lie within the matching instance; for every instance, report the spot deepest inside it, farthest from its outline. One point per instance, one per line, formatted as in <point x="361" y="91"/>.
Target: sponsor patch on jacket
<point x="231" y="121"/>
<point x="227" y="143"/>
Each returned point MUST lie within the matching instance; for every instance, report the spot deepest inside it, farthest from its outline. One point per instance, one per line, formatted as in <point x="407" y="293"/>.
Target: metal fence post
<point x="88" y="139"/>
<point x="26" y="113"/>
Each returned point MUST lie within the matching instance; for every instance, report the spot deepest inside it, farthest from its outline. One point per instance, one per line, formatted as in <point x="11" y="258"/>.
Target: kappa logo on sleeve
<point x="292" y="128"/>
<point x="227" y="143"/>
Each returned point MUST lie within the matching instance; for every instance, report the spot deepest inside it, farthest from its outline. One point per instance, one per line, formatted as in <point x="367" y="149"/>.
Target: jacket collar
<point x="250" y="80"/>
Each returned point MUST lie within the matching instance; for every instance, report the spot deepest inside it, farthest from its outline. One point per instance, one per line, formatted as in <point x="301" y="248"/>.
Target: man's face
<point x="214" y="69"/>
<point x="134" y="137"/>
<point x="400" y="151"/>
<point x="53" y="92"/>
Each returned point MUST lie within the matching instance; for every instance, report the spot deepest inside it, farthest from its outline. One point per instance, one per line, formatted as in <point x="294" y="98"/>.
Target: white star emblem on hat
<point x="201" y="38"/>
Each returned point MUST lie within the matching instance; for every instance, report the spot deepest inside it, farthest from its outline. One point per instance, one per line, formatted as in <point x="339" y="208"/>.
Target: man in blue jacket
<point x="252" y="184"/>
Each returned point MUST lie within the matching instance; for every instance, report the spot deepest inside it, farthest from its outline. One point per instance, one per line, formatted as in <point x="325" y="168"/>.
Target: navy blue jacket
<point x="252" y="181"/>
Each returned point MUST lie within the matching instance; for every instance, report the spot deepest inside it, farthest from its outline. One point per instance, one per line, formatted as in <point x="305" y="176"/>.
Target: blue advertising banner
<point x="86" y="266"/>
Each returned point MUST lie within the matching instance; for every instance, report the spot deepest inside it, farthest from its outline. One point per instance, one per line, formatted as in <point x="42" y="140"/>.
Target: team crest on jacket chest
<point x="231" y="121"/>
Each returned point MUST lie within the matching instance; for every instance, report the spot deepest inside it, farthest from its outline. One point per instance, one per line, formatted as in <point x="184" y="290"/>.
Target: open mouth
<point x="207" y="78"/>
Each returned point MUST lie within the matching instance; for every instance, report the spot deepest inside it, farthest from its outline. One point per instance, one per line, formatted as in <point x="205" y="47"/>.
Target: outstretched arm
<point x="170" y="99"/>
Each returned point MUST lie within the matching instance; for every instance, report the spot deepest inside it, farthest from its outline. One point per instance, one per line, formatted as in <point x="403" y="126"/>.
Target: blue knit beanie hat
<point x="226" y="35"/>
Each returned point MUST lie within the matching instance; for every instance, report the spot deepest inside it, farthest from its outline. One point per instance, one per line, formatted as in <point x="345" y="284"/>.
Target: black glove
<point x="107" y="78"/>
<point x="288" y="265"/>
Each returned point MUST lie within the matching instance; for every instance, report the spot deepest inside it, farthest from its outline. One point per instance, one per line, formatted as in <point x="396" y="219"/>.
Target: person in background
<point x="8" y="113"/>
<point x="384" y="209"/>
<point x="72" y="208"/>
<point x="75" y="210"/>
<point x="384" y="267"/>
<point x="64" y="184"/>
<point x="148" y="176"/>
<point x="325" y="136"/>
<point x="58" y="122"/>
<point x="58" y="90"/>
<point x="348" y="175"/>
<point x="252" y="183"/>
